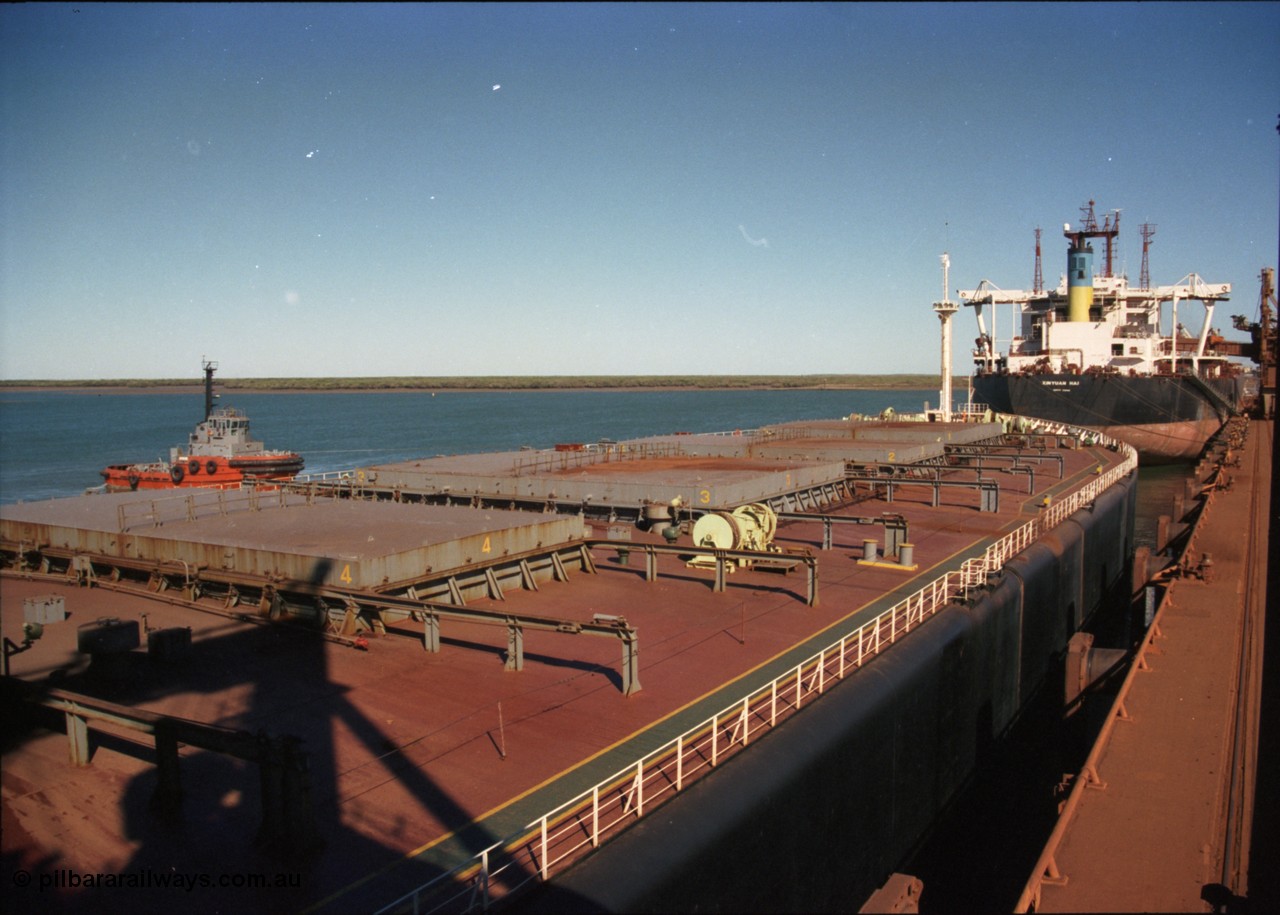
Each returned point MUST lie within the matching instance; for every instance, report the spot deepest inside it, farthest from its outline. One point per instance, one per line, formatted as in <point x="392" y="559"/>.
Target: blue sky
<point x="326" y="190"/>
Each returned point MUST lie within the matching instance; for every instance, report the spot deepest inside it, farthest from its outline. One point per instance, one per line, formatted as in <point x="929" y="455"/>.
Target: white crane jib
<point x="988" y="293"/>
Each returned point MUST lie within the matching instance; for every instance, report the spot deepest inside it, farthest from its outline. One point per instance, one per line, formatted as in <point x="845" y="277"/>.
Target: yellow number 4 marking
<point x="486" y="548"/>
<point x="345" y="577"/>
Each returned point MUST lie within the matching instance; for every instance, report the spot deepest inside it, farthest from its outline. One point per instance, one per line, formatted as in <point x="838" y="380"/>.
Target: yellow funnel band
<point x="1079" y="301"/>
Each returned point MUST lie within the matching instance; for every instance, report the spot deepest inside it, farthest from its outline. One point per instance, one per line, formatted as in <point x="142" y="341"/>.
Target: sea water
<point x="53" y="444"/>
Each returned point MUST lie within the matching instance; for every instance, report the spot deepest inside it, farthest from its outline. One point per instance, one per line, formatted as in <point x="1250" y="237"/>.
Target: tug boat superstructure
<point x="219" y="453"/>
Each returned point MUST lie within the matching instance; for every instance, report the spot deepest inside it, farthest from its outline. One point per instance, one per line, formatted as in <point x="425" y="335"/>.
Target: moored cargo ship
<point x="219" y="454"/>
<point x="1093" y="353"/>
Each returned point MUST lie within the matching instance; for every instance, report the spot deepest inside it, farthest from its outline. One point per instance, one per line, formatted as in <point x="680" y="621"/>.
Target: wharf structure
<point x="440" y="682"/>
<point x="1175" y="767"/>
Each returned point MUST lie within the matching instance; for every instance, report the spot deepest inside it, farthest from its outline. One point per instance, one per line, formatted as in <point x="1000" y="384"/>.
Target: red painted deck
<point x="407" y="746"/>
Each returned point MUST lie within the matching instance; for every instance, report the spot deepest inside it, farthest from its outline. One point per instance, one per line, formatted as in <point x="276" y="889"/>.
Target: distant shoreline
<point x="491" y="385"/>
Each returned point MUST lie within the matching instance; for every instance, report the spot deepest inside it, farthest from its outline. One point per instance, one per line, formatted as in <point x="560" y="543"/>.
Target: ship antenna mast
<point x="1088" y="222"/>
<point x="1109" y="232"/>
<point x="1089" y="229"/>
<point x="209" y="367"/>
<point x="1148" y="232"/>
<point x="1037" y="285"/>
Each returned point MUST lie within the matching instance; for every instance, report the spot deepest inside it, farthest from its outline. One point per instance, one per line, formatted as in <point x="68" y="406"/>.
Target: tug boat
<point x="219" y="453"/>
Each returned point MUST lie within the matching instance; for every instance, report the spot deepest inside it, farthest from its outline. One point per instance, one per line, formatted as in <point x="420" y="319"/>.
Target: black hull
<point x="818" y="814"/>
<point x="1165" y="417"/>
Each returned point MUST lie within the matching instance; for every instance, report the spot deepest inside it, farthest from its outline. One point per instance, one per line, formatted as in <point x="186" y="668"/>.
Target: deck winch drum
<point x="747" y="527"/>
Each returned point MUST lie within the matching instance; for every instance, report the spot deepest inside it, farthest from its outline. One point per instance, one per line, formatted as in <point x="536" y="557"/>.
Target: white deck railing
<point x="560" y="836"/>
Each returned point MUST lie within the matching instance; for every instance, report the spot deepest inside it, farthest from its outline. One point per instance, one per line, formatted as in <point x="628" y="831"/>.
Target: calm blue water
<point x="53" y="444"/>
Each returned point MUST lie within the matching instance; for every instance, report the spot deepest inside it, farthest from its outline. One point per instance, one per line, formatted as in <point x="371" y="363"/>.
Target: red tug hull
<point x="216" y="472"/>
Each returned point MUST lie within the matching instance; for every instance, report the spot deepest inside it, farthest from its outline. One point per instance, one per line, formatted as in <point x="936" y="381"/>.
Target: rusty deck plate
<point x="280" y="534"/>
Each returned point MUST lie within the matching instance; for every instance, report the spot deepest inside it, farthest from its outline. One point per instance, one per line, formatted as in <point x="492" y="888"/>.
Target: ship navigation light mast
<point x="945" y="309"/>
<point x="1144" y="278"/>
<point x="1037" y="285"/>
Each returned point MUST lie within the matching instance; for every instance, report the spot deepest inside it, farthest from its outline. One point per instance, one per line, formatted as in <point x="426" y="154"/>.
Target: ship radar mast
<point x="1109" y="232"/>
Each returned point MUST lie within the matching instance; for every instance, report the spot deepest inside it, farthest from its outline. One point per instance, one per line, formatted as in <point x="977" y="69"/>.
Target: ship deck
<point x="419" y="760"/>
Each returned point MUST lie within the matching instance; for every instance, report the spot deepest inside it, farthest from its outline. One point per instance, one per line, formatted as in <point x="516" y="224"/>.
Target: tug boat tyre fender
<point x="176" y="473"/>
<point x="211" y="466"/>
<point x="195" y="467"/>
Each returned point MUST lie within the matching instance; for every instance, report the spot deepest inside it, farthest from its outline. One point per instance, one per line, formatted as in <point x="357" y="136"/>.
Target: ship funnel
<point x="1079" y="278"/>
<point x="209" y="368"/>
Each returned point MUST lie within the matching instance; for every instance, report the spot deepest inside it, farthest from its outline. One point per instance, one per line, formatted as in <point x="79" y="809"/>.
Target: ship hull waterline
<point x="216" y="473"/>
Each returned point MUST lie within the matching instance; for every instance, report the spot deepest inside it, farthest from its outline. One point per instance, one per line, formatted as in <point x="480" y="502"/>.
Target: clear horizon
<point x="334" y="190"/>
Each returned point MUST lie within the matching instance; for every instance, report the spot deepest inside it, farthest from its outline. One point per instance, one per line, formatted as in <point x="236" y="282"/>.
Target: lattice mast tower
<point x="1037" y="283"/>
